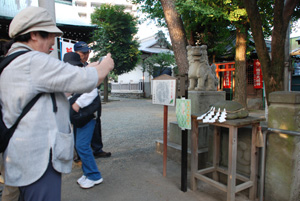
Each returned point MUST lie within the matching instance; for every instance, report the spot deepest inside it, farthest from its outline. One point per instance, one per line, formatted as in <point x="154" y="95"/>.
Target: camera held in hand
<point x="100" y="59"/>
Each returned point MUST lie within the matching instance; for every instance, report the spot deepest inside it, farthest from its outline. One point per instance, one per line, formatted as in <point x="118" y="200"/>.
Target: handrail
<point x="276" y="130"/>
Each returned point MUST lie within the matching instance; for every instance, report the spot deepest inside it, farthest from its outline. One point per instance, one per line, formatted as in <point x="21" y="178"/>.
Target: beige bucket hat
<point x="33" y="19"/>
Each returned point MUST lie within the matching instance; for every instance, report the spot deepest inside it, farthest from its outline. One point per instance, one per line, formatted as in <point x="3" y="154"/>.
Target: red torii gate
<point x="228" y="67"/>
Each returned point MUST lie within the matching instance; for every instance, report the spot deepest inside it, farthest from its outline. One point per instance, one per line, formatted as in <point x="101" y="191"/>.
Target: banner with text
<point x="257" y="74"/>
<point x="183" y="113"/>
<point x="67" y="45"/>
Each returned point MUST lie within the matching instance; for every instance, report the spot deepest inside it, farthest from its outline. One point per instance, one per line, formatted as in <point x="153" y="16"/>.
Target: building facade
<point x="85" y="8"/>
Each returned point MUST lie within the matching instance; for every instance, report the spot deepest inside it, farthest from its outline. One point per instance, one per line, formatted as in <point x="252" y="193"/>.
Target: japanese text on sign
<point x="257" y="74"/>
<point x="164" y="92"/>
<point x="227" y="79"/>
<point x="183" y="113"/>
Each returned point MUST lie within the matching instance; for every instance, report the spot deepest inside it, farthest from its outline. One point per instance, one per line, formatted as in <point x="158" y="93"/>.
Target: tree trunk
<point x="105" y="82"/>
<point x="240" y="94"/>
<point x="272" y="69"/>
<point x="177" y="35"/>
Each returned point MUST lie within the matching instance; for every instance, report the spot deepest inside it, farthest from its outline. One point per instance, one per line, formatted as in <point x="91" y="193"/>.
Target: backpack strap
<point x="54" y="102"/>
<point x="29" y="106"/>
<point x="9" y="58"/>
<point x="25" y="110"/>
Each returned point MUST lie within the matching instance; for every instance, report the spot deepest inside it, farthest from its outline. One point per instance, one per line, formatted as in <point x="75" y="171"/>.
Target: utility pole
<point x="287" y="72"/>
<point x="49" y="5"/>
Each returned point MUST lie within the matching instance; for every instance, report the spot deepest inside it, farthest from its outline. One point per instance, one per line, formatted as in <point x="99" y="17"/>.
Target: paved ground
<point x="134" y="172"/>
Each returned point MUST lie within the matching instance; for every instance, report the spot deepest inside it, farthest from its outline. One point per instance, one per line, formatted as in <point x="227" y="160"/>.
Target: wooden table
<point x="231" y="188"/>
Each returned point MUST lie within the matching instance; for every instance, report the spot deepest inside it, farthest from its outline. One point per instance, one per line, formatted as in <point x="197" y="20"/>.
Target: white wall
<point x="133" y="76"/>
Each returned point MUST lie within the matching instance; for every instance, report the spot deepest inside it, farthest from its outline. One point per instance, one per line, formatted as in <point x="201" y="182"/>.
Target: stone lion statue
<point x="202" y="77"/>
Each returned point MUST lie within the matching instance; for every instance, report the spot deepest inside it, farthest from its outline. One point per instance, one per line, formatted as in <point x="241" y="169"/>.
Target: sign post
<point x="183" y="114"/>
<point x="164" y="93"/>
<point x="182" y="92"/>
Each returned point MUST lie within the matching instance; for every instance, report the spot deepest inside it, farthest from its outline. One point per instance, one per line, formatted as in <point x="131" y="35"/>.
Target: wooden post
<point x="184" y="140"/>
<point x="165" y="140"/>
<point x="164" y="84"/>
<point x="232" y="154"/>
<point x="194" y="152"/>
<point x="184" y="156"/>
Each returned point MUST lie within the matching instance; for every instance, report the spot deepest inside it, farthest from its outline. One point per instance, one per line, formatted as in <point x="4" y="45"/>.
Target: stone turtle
<point x="234" y="109"/>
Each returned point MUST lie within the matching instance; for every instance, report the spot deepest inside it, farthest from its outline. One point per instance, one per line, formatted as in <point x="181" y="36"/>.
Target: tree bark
<point x="273" y="69"/>
<point x="240" y="94"/>
<point x="177" y="35"/>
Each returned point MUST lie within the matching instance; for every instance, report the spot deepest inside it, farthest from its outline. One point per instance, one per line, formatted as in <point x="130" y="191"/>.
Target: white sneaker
<point x="81" y="179"/>
<point x="87" y="183"/>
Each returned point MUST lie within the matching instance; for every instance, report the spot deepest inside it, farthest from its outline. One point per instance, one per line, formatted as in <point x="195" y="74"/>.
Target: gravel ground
<point x="134" y="171"/>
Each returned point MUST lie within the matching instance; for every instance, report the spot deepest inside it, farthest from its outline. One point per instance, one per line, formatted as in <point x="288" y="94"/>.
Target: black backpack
<point x="6" y="133"/>
<point x="86" y="114"/>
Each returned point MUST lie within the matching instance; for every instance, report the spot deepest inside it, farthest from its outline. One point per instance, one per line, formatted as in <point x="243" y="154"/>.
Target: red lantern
<point x="257" y="74"/>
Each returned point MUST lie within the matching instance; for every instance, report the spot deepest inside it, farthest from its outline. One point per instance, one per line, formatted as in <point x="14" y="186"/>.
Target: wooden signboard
<point x="164" y="90"/>
<point x="164" y="93"/>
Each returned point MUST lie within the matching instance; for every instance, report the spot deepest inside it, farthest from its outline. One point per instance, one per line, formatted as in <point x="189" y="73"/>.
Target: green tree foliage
<point x="158" y="63"/>
<point x="213" y="22"/>
<point x="115" y="34"/>
<point x="153" y="9"/>
<point x="203" y="24"/>
<point x="162" y="40"/>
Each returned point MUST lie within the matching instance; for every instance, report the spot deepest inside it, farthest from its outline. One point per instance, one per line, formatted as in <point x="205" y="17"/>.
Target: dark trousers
<point x="47" y="188"/>
<point x="96" y="143"/>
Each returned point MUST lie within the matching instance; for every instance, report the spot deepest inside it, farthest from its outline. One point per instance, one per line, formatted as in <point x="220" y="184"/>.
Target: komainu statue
<point x="202" y="77"/>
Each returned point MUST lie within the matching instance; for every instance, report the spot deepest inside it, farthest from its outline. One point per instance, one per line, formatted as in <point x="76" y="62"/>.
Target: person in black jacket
<point x="83" y="107"/>
<point x="84" y="50"/>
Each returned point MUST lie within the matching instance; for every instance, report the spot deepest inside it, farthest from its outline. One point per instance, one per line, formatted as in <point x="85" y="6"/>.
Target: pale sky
<point x="296" y="30"/>
<point x="148" y="28"/>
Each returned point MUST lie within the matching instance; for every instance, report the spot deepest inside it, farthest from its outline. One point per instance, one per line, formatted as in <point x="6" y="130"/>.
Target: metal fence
<point x="127" y="87"/>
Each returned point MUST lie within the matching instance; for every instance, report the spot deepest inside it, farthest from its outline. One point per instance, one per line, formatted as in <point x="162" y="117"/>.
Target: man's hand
<point x="108" y="62"/>
<point x="75" y="107"/>
<point x="103" y="69"/>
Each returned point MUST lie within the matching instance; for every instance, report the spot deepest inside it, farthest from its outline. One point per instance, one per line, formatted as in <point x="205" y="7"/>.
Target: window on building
<point x="95" y="4"/>
<point x="249" y="71"/>
<point x="80" y="4"/>
<point x="82" y="15"/>
<point x="64" y="1"/>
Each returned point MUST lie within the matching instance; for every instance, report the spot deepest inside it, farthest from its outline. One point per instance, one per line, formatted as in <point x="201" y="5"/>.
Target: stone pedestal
<point x="202" y="100"/>
<point x="282" y="175"/>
